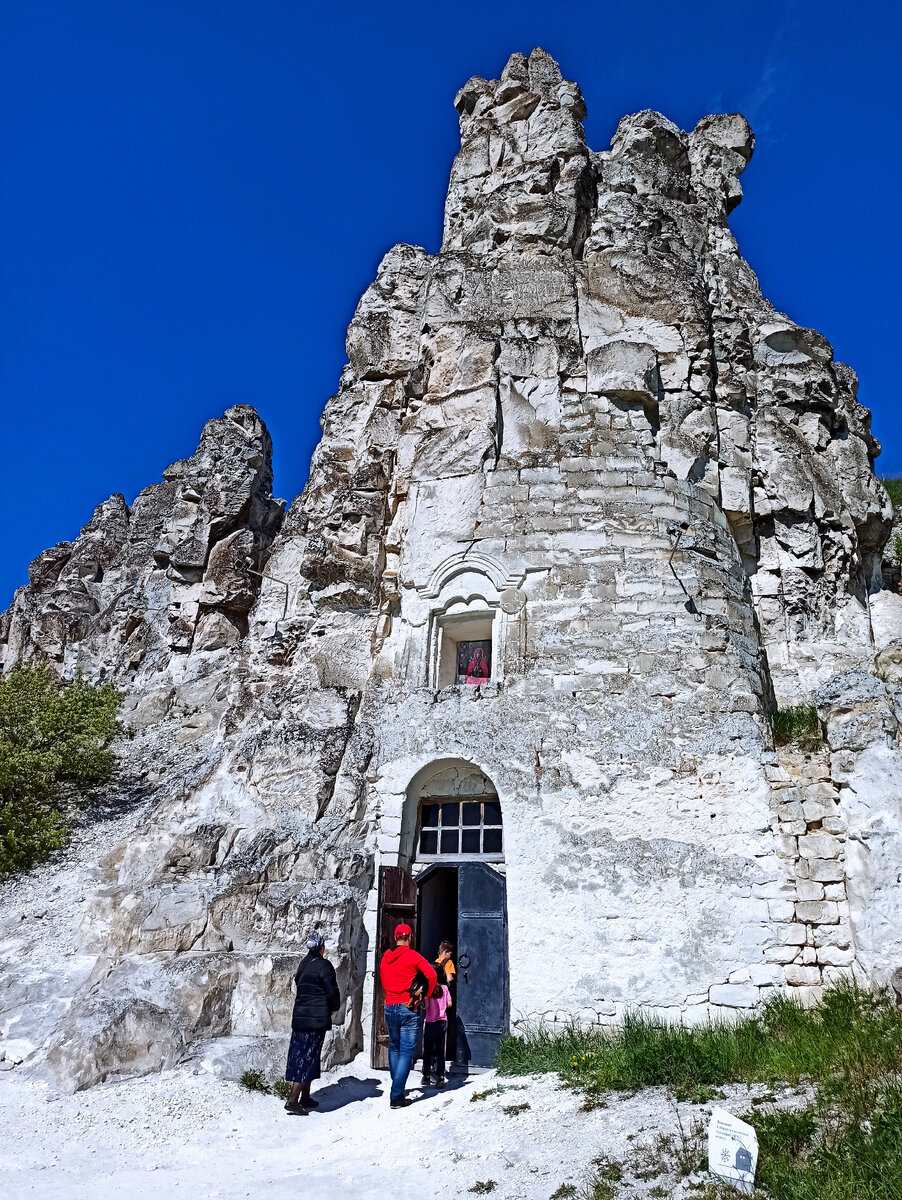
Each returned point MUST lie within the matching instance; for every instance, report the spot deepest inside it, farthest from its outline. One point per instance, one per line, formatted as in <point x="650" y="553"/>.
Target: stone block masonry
<point x="580" y="441"/>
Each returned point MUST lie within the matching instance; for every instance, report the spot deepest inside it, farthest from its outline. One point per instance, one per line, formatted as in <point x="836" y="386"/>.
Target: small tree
<point x="54" y="747"/>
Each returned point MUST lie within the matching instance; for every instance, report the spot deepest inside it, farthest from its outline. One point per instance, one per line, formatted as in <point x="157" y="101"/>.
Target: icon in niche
<point x="474" y="661"/>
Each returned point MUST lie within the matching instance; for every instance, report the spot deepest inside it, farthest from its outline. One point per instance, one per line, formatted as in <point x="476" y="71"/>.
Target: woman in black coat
<point x="317" y="998"/>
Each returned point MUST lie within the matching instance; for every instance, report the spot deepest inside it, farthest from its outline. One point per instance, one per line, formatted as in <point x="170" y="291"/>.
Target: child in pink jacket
<point x="435" y="1028"/>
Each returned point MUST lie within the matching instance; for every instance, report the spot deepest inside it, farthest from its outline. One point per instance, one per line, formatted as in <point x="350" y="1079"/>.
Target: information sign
<point x="732" y="1150"/>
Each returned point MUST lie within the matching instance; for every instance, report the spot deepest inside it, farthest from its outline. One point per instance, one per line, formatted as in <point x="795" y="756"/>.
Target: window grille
<point x="460" y="827"/>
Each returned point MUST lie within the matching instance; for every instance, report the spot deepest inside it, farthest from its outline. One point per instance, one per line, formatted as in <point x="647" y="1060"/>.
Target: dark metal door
<point x="397" y="903"/>
<point x="482" y="974"/>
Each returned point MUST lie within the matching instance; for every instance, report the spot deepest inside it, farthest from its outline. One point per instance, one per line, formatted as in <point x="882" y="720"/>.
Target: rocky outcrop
<point x="144" y="583"/>
<point x="580" y="430"/>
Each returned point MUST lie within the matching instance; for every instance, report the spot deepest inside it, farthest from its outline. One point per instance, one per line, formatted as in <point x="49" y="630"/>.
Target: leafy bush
<point x="54" y="747"/>
<point x="253" y="1081"/>
<point x="894" y="490"/>
<point x="798" y="724"/>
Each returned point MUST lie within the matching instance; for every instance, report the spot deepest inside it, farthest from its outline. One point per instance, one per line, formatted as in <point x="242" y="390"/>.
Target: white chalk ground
<point x="189" y="1134"/>
<point x="195" y="1136"/>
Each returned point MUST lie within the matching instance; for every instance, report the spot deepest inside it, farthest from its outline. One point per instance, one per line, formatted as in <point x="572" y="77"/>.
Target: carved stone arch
<point x="454" y="778"/>
<point x="465" y="561"/>
<point x="466" y="612"/>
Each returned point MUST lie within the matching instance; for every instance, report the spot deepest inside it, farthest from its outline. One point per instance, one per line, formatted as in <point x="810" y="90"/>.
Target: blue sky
<point x="196" y="192"/>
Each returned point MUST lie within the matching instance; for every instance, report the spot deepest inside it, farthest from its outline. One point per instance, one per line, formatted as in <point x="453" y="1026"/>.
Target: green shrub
<point x="281" y="1088"/>
<point x="54" y="747"/>
<point x="252" y="1080"/>
<point x="894" y="490"/>
<point x="797" y="725"/>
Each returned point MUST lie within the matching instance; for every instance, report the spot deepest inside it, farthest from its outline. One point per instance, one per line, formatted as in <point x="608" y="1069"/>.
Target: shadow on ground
<point x="350" y="1090"/>
<point x="346" y="1091"/>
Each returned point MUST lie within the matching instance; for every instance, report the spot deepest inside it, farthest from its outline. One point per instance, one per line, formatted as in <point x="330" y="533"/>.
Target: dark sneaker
<point x="440" y="1081"/>
<point x="427" y="1081"/>
<point x="401" y="1102"/>
<point x="295" y="1110"/>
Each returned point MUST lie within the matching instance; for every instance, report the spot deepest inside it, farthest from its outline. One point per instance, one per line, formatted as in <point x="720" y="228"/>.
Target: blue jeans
<point x="403" y="1033"/>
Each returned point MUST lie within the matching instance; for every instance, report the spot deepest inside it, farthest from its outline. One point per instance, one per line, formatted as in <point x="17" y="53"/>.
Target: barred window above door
<point x="466" y="827"/>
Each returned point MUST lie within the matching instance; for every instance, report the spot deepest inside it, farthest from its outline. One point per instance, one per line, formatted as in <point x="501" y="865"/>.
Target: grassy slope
<point x="845" y="1145"/>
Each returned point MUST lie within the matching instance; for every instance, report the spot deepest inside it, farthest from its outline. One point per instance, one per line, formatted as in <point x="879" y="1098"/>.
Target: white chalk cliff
<point x="582" y="434"/>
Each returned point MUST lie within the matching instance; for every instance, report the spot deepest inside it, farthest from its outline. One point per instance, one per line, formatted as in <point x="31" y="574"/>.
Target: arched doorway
<point x="454" y="889"/>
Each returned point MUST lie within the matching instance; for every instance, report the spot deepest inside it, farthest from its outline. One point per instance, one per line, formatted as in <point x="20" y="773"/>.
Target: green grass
<point x="599" y="1189"/>
<point x="798" y="725"/>
<point x="483" y="1186"/>
<point x="497" y="1090"/>
<point x="844" y="1145"/>
<point x="783" y="1042"/>
<point x="847" y="1144"/>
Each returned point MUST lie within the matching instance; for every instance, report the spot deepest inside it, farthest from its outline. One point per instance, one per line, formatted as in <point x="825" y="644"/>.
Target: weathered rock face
<point x="580" y="436"/>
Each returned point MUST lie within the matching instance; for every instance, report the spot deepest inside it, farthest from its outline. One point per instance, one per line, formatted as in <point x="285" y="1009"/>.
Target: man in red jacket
<point x="397" y="971"/>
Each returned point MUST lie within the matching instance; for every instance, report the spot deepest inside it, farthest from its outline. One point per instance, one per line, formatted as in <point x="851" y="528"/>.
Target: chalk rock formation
<point x="579" y="436"/>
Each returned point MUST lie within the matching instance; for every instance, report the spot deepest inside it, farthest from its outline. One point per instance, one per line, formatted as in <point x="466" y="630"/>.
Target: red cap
<point x="403" y="931"/>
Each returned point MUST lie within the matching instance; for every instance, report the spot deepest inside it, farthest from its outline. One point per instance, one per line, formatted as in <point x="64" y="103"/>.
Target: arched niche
<point x="452" y="814"/>
<point x="466" y="631"/>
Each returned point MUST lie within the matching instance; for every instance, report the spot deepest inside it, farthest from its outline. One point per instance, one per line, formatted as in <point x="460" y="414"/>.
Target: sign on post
<point x="732" y="1150"/>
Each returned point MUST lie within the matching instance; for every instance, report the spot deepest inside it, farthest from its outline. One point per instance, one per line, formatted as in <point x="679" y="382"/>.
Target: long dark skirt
<point x="304" y="1053"/>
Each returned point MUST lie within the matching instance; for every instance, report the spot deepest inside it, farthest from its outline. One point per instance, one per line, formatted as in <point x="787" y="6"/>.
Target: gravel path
<point x="184" y="1134"/>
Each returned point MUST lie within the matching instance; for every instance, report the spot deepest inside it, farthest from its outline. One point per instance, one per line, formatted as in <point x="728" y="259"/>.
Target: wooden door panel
<point x="397" y="903"/>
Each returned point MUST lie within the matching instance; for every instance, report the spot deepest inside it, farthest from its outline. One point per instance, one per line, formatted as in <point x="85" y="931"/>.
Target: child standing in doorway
<point x="435" y="1028"/>
<point x="443" y="960"/>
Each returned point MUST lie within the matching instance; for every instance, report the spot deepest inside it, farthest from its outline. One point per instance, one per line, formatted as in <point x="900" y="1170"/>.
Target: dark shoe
<point x="440" y="1081"/>
<point x="295" y="1110"/>
<point x="401" y="1102"/>
<point x="427" y="1081"/>
<point x="311" y="1103"/>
